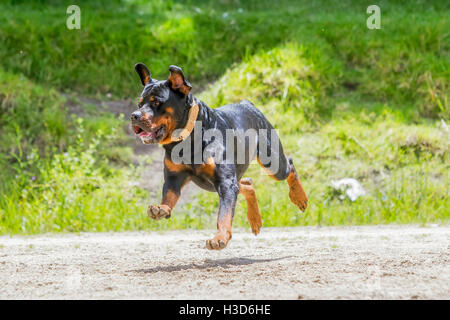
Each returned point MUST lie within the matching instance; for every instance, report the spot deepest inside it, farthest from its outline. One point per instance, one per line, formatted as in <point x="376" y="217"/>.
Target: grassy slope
<point x="403" y="166"/>
<point x="348" y="102"/>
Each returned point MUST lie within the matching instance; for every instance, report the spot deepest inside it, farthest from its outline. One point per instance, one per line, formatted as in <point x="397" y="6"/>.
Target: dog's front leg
<point x="228" y="191"/>
<point x="173" y="183"/>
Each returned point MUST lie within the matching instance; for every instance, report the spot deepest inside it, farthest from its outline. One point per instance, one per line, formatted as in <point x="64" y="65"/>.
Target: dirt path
<point x="381" y="262"/>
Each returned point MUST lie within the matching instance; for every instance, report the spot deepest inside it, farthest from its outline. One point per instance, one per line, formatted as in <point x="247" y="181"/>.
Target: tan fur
<point x="174" y="167"/>
<point x="253" y="214"/>
<point x="223" y="235"/>
<point x="208" y="168"/>
<point x="296" y="192"/>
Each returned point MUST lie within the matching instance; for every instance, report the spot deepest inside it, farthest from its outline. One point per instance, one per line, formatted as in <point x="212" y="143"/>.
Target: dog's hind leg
<point x="253" y="214"/>
<point x="296" y="192"/>
<point x="280" y="168"/>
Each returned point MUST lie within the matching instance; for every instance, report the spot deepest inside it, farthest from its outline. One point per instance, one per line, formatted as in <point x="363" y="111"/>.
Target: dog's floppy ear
<point x="143" y="73"/>
<point x="177" y="80"/>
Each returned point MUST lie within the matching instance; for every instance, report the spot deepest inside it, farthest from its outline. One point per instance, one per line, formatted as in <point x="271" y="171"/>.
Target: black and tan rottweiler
<point x="167" y="114"/>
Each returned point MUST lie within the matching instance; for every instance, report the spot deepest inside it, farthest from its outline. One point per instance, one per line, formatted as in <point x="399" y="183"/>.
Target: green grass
<point x="347" y="102"/>
<point x="402" y="165"/>
<point x="406" y="62"/>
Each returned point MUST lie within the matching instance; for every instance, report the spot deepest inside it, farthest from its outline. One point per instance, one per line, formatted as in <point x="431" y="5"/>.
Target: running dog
<point x="167" y="114"/>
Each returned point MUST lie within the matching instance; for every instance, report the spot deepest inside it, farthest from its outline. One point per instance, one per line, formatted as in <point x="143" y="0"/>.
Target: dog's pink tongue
<point x="146" y="134"/>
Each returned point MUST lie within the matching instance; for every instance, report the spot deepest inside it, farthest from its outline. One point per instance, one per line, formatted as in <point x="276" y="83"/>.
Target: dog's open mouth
<point x="150" y="136"/>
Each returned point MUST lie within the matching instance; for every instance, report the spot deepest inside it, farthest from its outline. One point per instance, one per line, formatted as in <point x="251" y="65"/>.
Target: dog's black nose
<point x="136" y="115"/>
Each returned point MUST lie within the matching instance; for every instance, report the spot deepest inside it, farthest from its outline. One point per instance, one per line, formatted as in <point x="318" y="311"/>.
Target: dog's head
<point x="163" y="106"/>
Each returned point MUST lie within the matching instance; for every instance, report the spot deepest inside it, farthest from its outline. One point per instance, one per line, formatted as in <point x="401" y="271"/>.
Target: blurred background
<point x="367" y="105"/>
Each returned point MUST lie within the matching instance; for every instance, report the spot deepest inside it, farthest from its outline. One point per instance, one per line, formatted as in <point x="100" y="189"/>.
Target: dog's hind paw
<point x="157" y="212"/>
<point x="300" y="201"/>
<point x="296" y="192"/>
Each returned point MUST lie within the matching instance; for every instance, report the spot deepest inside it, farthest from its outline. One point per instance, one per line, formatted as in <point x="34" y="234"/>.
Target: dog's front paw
<point x="157" y="212"/>
<point x="219" y="242"/>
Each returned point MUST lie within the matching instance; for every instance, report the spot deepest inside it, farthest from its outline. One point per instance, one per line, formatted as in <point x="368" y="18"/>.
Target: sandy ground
<point x="380" y="262"/>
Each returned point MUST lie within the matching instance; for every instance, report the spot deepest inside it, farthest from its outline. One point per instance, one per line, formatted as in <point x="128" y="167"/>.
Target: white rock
<point x="352" y="187"/>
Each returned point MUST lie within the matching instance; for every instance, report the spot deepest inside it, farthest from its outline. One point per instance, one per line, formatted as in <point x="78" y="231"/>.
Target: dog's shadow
<point x="208" y="263"/>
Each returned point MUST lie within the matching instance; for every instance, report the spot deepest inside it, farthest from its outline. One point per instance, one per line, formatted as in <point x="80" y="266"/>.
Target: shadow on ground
<point x="208" y="263"/>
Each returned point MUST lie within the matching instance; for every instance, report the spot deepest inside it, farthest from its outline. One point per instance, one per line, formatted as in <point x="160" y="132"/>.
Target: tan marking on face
<point x="170" y="111"/>
<point x="165" y="119"/>
<point x="168" y="120"/>
<point x="141" y="99"/>
<point x="152" y="98"/>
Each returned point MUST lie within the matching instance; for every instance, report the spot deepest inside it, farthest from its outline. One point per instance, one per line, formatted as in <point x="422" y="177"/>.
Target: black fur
<point x="242" y="115"/>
